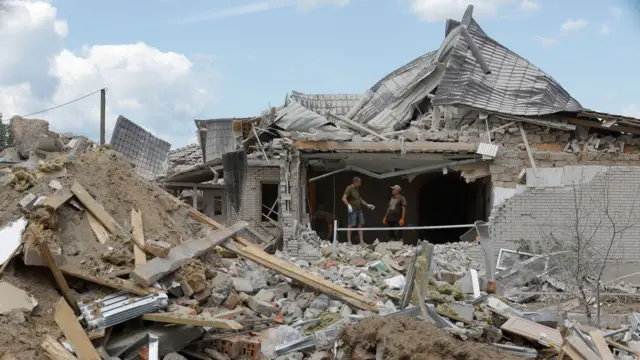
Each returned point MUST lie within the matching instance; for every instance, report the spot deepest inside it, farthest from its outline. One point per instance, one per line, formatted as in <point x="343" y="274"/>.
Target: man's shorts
<point x="355" y="218"/>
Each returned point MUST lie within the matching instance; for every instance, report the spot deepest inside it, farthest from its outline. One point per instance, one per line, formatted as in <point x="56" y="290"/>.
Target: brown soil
<point x="410" y="339"/>
<point x="111" y="180"/>
<point x="22" y="339"/>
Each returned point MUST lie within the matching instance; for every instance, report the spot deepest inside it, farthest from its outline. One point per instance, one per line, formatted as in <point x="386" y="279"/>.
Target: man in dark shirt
<point x="395" y="213"/>
<point x="354" y="202"/>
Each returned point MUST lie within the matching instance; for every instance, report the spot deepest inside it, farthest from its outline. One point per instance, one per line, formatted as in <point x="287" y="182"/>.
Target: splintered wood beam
<point x="97" y="210"/>
<point x="67" y="322"/>
<point x="55" y="270"/>
<point x="172" y="318"/>
<point x="114" y="283"/>
<point x="55" y="350"/>
<point x="138" y="238"/>
<point x="98" y="230"/>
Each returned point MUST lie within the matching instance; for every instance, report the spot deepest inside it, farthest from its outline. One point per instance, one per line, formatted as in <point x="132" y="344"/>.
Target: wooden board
<point x="74" y="333"/>
<point x="57" y="274"/>
<point x="55" y="350"/>
<point x="138" y="238"/>
<point x="58" y="198"/>
<point x="257" y="255"/>
<point x="601" y="344"/>
<point x="532" y="331"/>
<point x="114" y="283"/>
<point x="98" y="229"/>
<point x="96" y="210"/>
<point x="171" y="318"/>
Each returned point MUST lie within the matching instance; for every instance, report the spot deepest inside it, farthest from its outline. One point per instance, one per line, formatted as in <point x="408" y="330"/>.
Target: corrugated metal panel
<point x="295" y="117"/>
<point x="487" y="149"/>
<point x="323" y="104"/>
<point x="515" y="86"/>
<point x="392" y="91"/>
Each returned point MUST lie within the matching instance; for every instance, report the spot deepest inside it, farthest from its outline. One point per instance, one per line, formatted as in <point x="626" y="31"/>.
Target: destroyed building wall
<point x="219" y="138"/>
<point x="546" y="207"/>
<point x="251" y="209"/>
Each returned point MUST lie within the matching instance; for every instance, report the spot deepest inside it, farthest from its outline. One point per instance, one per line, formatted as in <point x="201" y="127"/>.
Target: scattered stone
<point x="265" y="295"/>
<point x="358" y="261"/>
<point x="216" y="355"/>
<point x="242" y="285"/>
<point x="27" y="133"/>
<point x="192" y="275"/>
<point x="14" y="299"/>
<point x="174" y="356"/>
<point x="27" y="201"/>
<point x="321" y="303"/>
<point x="157" y="248"/>
<point x="304" y="300"/>
<point x="311" y="313"/>
<point x="231" y="301"/>
<point x="203" y="295"/>
<point x="260" y="307"/>
<point x="115" y="256"/>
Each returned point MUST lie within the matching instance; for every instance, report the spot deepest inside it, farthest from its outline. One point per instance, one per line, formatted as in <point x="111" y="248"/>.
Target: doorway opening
<point x="450" y="200"/>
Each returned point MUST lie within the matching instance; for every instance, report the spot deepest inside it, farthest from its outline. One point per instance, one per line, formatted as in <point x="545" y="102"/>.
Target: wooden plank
<point x="387" y="146"/>
<point x="214" y="322"/>
<point x="597" y="124"/>
<point x="257" y="255"/>
<point x="114" y="283"/>
<point x="98" y="230"/>
<point x="96" y="210"/>
<point x="58" y="198"/>
<point x="138" y="238"/>
<point x="74" y="333"/>
<point x="568" y="350"/>
<point x="57" y="274"/>
<point x="158" y="268"/>
<point x="241" y="247"/>
<point x="580" y="346"/>
<point x="622" y="347"/>
<point x="96" y="334"/>
<point x="601" y="344"/>
<point x="55" y="350"/>
<point x="532" y="331"/>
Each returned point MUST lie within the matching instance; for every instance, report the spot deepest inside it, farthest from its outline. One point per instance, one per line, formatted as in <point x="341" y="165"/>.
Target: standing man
<point x="395" y="213"/>
<point x="354" y="202"/>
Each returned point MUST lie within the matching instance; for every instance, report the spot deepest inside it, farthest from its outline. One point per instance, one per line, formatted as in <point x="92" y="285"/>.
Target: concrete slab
<point x="14" y="299"/>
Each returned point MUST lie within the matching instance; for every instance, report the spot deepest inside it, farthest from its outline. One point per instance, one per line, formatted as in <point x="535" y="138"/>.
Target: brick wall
<point x="537" y="212"/>
<point x="251" y="199"/>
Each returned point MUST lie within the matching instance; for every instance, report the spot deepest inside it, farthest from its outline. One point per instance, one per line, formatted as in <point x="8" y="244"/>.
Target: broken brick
<point x="231" y="301"/>
<point x="157" y="248"/>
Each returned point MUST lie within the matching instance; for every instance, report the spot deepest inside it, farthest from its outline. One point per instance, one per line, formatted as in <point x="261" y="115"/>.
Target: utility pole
<point x="103" y="93"/>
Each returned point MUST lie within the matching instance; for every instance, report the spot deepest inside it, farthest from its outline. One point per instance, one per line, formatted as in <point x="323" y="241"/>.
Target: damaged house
<point x="470" y="131"/>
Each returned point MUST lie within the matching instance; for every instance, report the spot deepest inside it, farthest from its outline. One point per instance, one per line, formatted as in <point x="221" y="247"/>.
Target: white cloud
<point x="631" y="110"/>
<point x="605" y="29"/>
<point x="545" y="41"/>
<point x="159" y="90"/>
<point x="264" y="6"/>
<point x="574" y="25"/>
<point x="616" y="12"/>
<point x="530" y="5"/>
<point x="440" y="10"/>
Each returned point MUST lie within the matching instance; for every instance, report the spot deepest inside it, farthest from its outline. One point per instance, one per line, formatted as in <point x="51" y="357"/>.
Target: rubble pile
<point x="184" y="158"/>
<point x="98" y="262"/>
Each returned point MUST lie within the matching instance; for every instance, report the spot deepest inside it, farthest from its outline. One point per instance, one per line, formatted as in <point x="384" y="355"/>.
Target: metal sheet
<point x="325" y="104"/>
<point x="146" y="151"/>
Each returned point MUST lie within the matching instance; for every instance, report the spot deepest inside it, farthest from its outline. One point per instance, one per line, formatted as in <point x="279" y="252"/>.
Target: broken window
<point x="217" y="205"/>
<point x="269" y="199"/>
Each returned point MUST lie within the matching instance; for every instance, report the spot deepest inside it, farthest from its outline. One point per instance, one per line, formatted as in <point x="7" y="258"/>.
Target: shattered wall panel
<point x="536" y="213"/>
<point x="146" y="151"/>
<point x="219" y="138"/>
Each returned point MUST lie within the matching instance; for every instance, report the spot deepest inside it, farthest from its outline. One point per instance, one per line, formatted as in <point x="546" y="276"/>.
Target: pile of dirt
<point x="406" y="338"/>
<point x="111" y="180"/>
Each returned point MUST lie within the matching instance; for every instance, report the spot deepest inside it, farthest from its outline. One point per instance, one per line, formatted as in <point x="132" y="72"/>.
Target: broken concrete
<point x="14" y="299"/>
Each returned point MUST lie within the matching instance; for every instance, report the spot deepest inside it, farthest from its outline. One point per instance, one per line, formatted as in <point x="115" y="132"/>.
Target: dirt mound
<point x="409" y="339"/>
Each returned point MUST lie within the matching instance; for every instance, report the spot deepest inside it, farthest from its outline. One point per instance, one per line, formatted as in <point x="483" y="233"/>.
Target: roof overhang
<point x="385" y="147"/>
<point x="202" y="172"/>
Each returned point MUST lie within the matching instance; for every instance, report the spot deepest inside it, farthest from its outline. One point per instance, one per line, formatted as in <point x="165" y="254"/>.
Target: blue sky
<point x="246" y="55"/>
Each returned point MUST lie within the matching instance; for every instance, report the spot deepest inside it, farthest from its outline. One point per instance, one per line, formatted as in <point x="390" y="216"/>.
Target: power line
<point x="67" y="103"/>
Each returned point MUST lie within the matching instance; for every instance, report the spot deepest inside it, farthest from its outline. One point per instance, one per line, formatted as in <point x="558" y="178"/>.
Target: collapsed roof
<point x="470" y="70"/>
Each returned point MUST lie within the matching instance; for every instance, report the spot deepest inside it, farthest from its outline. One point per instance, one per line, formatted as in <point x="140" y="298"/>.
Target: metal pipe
<point x="335" y="238"/>
<point x="409" y="228"/>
